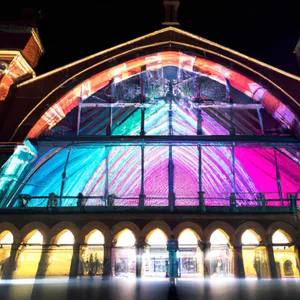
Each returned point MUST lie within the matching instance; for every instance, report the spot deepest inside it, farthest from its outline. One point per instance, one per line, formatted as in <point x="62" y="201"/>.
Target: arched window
<point x="249" y="238"/>
<point x="280" y="237"/>
<point x="126" y="239"/>
<point x="96" y="237"/>
<point x="218" y="238"/>
<point x="66" y="238"/>
<point x="187" y="237"/>
<point x="7" y="238"/>
<point x="37" y="238"/>
<point x="157" y="237"/>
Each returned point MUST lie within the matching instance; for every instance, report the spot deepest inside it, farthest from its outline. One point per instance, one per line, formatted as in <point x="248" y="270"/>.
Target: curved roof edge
<point x="29" y="96"/>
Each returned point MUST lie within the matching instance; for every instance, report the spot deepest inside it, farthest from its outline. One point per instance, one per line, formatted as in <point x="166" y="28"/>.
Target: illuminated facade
<point x="168" y="137"/>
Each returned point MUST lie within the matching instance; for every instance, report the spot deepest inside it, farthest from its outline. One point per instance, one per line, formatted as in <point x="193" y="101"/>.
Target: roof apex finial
<point x="171" y="7"/>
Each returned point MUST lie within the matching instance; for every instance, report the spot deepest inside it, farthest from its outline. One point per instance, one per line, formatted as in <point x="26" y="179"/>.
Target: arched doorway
<point x="29" y="258"/>
<point x="124" y="254"/>
<point x="155" y="259"/>
<point x="93" y="254"/>
<point x="190" y="255"/>
<point x="255" y="257"/>
<point x="220" y="255"/>
<point x="6" y="240"/>
<point x="62" y="256"/>
<point x="284" y="254"/>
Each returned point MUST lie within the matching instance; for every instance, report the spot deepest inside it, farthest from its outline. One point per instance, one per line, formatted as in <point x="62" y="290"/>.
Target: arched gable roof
<point x="35" y="96"/>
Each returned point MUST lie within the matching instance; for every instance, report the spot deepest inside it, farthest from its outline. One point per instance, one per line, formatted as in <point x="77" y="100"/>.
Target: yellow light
<point x="126" y="239"/>
<point x="37" y="238"/>
<point x="187" y="237"/>
<point x="66" y="238"/>
<point x="218" y="238"/>
<point x="96" y="238"/>
<point x="249" y="237"/>
<point x="279" y="238"/>
<point x="8" y="238"/>
<point x="157" y="237"/>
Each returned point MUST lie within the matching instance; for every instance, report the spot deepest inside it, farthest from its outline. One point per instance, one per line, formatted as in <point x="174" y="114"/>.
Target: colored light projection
<point x="157" y="61"/>
<point x="13" y="171"/>
<point x="99" y="171"/>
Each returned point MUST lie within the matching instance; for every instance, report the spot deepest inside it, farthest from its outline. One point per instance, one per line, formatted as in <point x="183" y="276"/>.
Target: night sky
<point x="267" y="32"/>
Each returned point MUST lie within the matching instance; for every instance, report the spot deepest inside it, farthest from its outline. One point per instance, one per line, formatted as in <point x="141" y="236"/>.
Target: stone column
<point x="238" y="263"/>
<point x="172" y="247"/>
<point x="273" y="272"/>
<point x="12" y="262"/>
<point x="82" y="252"/>
<point x="107" y="262"/>
<point x="75" y="261"/>
<point x="297" y="256"/>
<point x="140" y="249"/>
<point x="205" y="248"/>
<point x="45" y="261"/>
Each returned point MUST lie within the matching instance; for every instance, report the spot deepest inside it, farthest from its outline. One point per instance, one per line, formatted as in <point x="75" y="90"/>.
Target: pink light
<point x="161" y="59"/>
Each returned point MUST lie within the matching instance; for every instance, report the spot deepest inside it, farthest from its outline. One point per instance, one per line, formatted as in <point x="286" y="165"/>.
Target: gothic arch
<point x="90" y="227"/>
<point x="251" y="225"/>
<point x="226" y="228"/>
<point x="157" y="224"/>
<point x="6" y="226"/>
<point x="188" y="225"/>
<point x="60" y="227"/>
<point x="29" y="230"/>
<point x="285" y="227"/>
<point x="117" y="228"/>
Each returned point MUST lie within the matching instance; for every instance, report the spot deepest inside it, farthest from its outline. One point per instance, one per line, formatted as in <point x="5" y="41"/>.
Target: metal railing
<point x="234" y="202"/>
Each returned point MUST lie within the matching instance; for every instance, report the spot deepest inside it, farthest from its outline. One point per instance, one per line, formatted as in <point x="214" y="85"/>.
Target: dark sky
<point x="268" y="32"/>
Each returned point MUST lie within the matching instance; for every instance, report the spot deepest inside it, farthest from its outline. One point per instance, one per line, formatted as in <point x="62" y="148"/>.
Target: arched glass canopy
<point x="166" y="94"/>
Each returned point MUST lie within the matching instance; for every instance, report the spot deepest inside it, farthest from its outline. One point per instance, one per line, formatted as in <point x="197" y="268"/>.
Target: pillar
<point x="238" y="264"/>
<point x="273" y="272"/>
<point x="172" y="247"/>
<point x="11" y="265"/>
<point x="47" y="252"/>
<point x="140" y="248"/>
<point x="205" y="248"/>
<point x="107" y="262"/>
<point x="75" y="261"/>
<point x="297" y="256"/>
<point x="82" y="252"/>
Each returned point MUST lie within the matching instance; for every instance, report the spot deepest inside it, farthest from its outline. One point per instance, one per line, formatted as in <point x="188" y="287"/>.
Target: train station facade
<point x="108" y="161"/>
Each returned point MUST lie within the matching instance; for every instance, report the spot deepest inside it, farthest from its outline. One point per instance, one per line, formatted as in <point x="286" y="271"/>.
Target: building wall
<point x="60" y="260"/>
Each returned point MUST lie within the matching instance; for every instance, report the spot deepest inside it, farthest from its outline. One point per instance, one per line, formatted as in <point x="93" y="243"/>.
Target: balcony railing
<point x="235" y="203"/>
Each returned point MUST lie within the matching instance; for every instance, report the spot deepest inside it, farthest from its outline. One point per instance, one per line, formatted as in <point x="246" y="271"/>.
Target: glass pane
<point x="156" y="175"/>
<point x="85" y="174"/>
<point x="216" y="172"/>
<point x="186" y="185"/>
<point x="184" y="118"/>
<point x="124" y="175"/>
<point x="156" y="119"/>
<point x="46" y="179"/>
<point x="126" y="121"/>
<point x="94" y="120"/>
<point x="289" y="170"/>
<point x="257" y="176"/>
